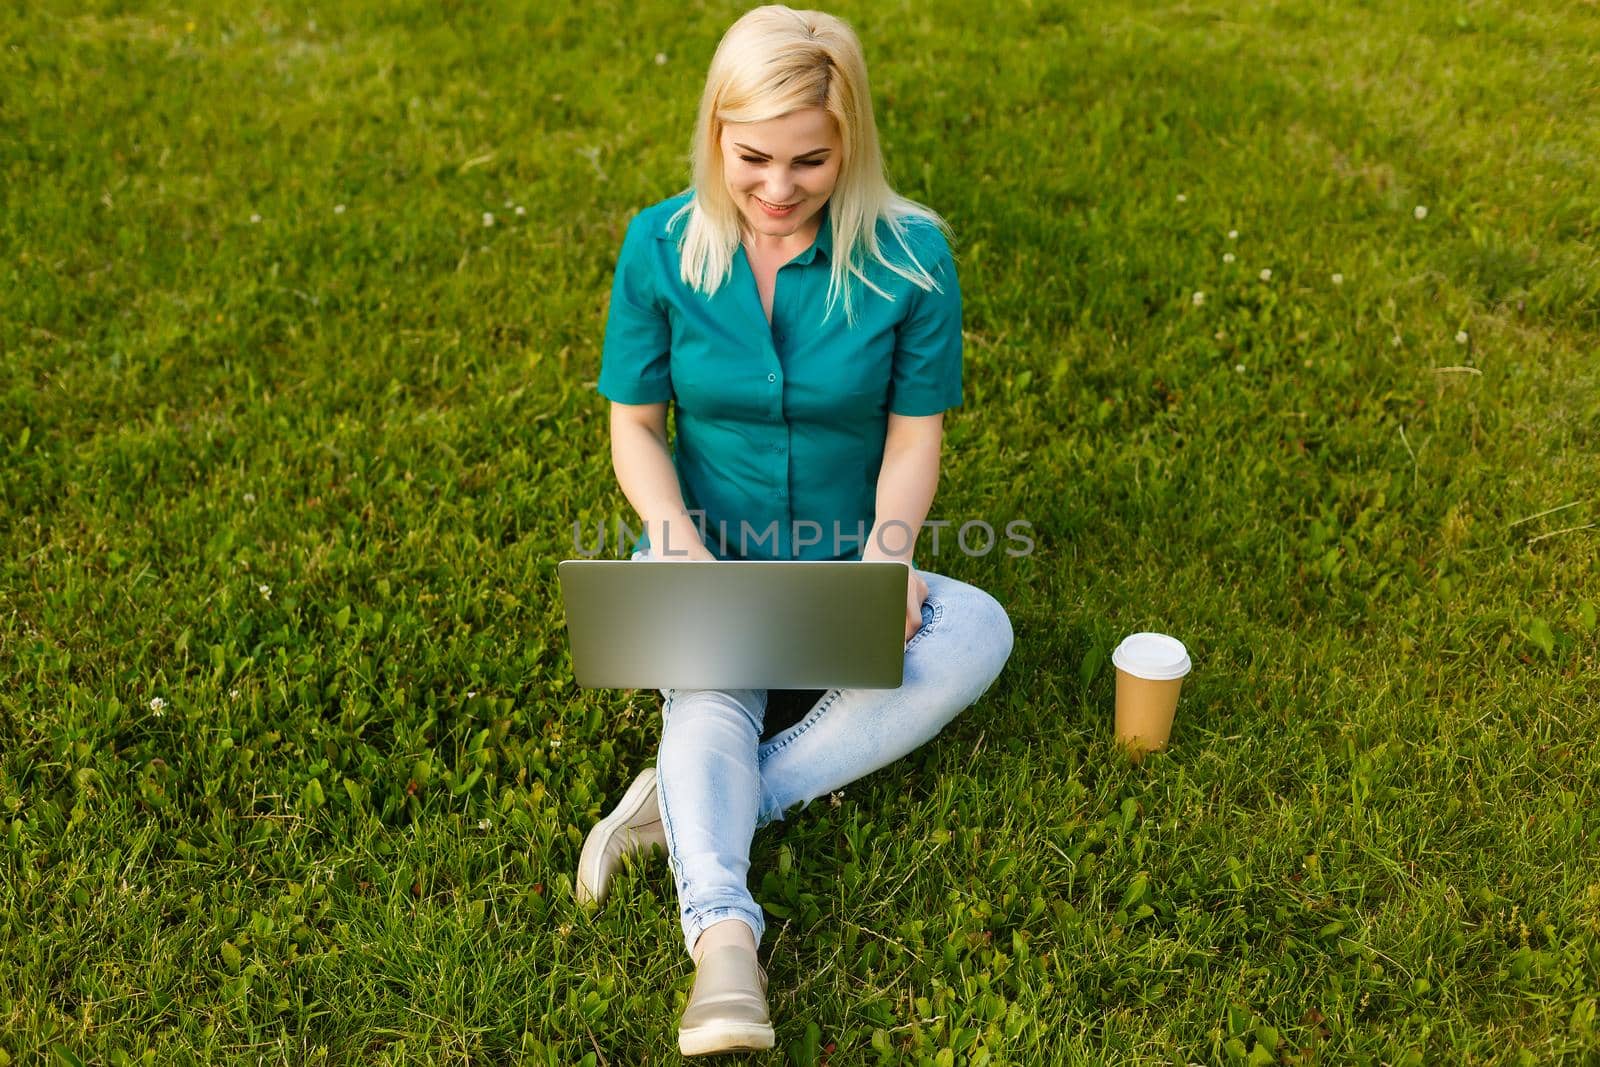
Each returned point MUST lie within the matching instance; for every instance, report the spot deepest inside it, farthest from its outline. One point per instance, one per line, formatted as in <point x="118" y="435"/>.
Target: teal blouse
<point x="780" y="429"/>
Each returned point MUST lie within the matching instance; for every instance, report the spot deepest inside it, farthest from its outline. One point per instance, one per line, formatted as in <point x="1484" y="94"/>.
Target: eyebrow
<point x="763" y="155"/>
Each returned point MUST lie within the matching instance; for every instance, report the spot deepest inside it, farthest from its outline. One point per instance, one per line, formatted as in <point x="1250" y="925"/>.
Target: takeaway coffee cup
<point x="1150" y="672"/>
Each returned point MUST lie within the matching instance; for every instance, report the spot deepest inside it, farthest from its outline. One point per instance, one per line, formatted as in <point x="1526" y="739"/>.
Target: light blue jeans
<point x="718" y="782"/>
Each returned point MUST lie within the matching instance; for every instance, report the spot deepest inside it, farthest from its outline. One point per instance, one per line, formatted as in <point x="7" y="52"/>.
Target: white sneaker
<point x="634" y="825"/>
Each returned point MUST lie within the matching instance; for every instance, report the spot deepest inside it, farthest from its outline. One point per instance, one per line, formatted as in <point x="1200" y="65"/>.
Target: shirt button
<point x="772" y="377"/>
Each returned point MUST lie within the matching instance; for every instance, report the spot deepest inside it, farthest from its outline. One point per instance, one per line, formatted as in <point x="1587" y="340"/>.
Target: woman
<point x="806" y="322"/>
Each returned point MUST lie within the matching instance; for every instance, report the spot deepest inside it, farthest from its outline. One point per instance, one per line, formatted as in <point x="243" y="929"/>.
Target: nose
<point x="778" y="193"/>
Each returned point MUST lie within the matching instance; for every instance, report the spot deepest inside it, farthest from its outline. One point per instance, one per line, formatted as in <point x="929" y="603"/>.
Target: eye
<point x="752" y="159"/>
<point x="811" y="162"/>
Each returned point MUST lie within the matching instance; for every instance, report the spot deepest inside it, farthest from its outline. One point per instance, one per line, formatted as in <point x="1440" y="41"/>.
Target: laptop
<point x="735" y="624"/>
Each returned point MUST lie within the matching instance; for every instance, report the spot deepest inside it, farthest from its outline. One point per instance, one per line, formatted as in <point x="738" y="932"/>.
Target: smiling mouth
<point x="777" y="207"/>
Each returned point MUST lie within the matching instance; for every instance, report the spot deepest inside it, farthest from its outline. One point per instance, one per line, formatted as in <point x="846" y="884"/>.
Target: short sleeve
<point x="927" y="354"/>
<point x="635" y="360"/>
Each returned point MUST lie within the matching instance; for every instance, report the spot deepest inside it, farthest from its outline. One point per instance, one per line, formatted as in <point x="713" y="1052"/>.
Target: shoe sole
<point x="732" y="1037"/>
<point x="594" y="846"/>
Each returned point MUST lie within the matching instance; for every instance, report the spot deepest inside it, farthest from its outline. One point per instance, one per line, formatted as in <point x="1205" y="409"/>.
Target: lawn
<point x="1281" y="332"/>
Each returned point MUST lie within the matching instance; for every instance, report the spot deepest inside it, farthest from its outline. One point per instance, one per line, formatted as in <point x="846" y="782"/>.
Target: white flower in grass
<point x="1239" y="367"/>
<point x="1220" y="335"/>
<point x="1182" y="199"/>
<point x="1233" y="235"/>
<point x="836" y="799"/>
<point x="1228" y="257"/>
<point x="255" y="219"/>
<point x="555" y="742"/>
<point x="471" y="693"/>
<point x="521" y="211"/>
<point x="1461" y="337"/>
<point x="338" y="209"/>
<point x="233" y="694"/>
<point x="1198" y="299"/>
<point x="249" y="498"/>
<point x="483" y="824"/>
<point x="265" y="591"/>
<point x="1338" y="279"/>
<point x="661" y="59"/>
<point x="1419" y="212"/>
<point x="1395" y="341"/>
<point x="488" y="218"/>
<point x="1266" y="274"/>
<point x="158" y="706"/>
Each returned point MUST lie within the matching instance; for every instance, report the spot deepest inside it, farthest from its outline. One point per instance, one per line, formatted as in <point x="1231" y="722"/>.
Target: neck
<point x="792" y="245"/>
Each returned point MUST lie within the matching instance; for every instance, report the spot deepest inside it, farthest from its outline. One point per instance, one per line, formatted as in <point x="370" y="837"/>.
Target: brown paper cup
<point x="1150" y="672"/>
<point x="1144" y="712"/>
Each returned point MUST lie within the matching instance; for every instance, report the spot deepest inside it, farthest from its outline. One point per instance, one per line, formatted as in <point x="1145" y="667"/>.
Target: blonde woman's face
<point x="780" y="172"/>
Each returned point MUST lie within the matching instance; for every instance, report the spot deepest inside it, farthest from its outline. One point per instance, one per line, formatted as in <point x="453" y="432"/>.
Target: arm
<point x="636" y="376"/>
<point x="926" y="381"/>
<point x="644" y="469"/>
<point x="907" y="482"/>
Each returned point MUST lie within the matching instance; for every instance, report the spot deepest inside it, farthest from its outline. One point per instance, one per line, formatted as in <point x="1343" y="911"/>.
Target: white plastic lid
<point x="1155" y="657"/>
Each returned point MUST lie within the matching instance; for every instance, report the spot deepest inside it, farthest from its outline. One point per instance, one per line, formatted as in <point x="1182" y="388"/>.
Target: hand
<point x="916" y="593"/>
<point x="675" y="539"/>
<point x="695" y="553"/>
<point x="916" y="589"/>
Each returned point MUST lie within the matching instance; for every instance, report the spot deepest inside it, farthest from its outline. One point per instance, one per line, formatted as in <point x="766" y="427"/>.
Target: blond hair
<point x="774" y="61"/>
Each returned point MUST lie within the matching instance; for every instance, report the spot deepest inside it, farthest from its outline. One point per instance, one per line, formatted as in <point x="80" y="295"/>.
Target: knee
<point x="995" y="625"/>
<point x="990" y="636"/>
<point x="979" y="614"/>
<point x="1005" y="637"/>
<point x="698" y="710"/>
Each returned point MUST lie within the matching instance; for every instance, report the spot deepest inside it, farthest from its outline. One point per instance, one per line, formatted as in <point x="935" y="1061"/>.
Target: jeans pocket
<point x="932" y="609"/>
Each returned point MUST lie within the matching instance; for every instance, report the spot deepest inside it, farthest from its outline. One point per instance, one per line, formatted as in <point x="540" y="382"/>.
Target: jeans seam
<point x="764" y="752"/>
<point x="666" y="818"/>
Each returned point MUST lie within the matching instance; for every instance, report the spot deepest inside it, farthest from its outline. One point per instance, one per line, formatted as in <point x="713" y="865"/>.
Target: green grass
<point x="350" y="831"/>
